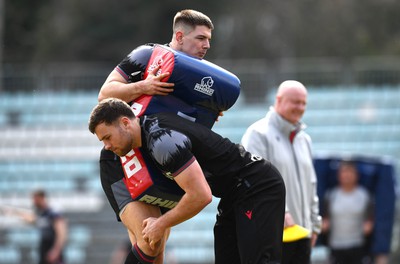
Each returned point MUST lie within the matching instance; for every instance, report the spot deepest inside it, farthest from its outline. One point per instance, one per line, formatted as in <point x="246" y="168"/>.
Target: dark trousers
<point x="297" y="252"/>
<point x="249" y="225"/>
<point x="352" y="255"/>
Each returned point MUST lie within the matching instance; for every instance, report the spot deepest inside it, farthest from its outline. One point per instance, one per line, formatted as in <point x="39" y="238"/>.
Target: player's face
<point x="115" y="137"/>
<point x="292" y="106"/>
<point x="197" y="42"/>
<point x="37" y="201"/>
<point x="347" y="176"/>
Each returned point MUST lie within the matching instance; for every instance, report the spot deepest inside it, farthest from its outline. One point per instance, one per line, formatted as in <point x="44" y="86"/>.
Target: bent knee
<point x="145" y="247"/>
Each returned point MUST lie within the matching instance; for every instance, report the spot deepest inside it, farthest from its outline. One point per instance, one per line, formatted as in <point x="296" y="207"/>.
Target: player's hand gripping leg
<point x="132" y="217"/>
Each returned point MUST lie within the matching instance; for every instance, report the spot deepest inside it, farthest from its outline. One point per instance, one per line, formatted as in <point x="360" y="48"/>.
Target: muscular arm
<point x="197" y="196"/>
<point x="116" y="86"/>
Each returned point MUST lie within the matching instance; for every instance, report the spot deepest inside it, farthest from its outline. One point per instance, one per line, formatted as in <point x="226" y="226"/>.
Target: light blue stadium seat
<point x="74" y="254"/>
<point x="43" y="167"/>
<point x="194" y="254"/>
<point x="63" y="108"/>
<point x="79" y="236"/>
<point x="25" y="237"/>
<point x="52" y="176"/>
<point x="10" y="255"/>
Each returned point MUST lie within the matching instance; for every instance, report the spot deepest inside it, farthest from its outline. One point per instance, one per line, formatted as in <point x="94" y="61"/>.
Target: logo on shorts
<point x="249" y="214"/>
<point x="205" y="86"/>
<point x="158" y="201"/>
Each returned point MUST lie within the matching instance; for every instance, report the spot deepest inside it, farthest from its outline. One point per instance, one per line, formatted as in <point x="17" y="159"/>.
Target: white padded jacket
<point x="269" y="138"/>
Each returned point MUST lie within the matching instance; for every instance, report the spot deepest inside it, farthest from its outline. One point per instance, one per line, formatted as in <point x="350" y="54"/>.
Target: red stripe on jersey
<point x="120" y="71"/>
<point x="187" y="164"/>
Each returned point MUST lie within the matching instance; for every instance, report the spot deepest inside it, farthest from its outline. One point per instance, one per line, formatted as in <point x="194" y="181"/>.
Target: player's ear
<point x="125" y="121"/>
<point x="179" y="37"/>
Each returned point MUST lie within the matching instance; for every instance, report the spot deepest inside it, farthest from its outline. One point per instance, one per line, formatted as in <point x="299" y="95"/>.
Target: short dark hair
<point x="191" y="18"/>
<point x="39" y="193"/>
<point x="348" y="164"/>
<point x="108" y="111"/>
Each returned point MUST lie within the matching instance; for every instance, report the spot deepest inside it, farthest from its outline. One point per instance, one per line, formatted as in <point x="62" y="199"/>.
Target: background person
<point x="52" y="226"/>
<point x="280" y="138"/>
<point x="348" y="218"/>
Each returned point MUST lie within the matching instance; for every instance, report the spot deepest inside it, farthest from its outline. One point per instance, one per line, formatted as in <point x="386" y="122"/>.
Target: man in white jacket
<point x="280" y="138"/>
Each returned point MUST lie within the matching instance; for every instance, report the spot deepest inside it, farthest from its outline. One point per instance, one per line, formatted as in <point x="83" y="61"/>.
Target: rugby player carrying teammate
<point x="191" y="35"/>
<point x="249" y="225"/>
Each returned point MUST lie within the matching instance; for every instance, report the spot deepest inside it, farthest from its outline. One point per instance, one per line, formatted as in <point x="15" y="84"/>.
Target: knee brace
<point x="136" y="256"/>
